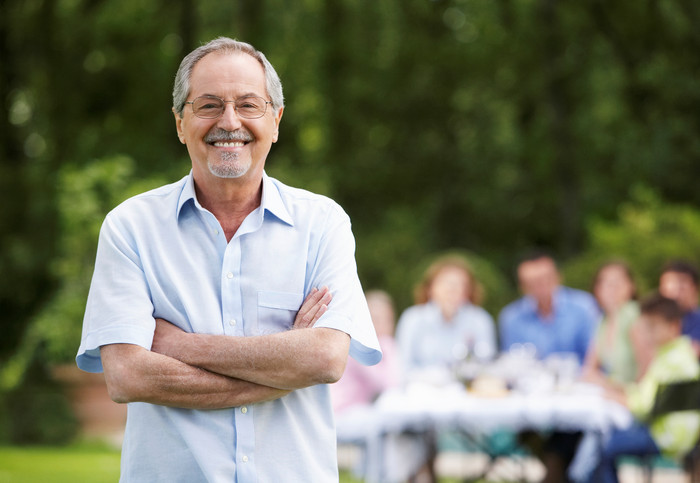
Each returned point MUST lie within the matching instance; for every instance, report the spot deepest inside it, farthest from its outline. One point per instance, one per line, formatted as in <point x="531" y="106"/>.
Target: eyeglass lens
<point x="209" y="107"/>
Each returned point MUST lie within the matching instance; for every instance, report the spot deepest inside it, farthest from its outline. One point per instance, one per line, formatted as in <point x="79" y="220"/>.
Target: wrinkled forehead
<point x="224" y="73"/>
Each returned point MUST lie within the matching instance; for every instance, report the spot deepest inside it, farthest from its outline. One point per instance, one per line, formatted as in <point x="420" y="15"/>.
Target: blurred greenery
<point x="646" y="234"/>
<point x="485" y="127"/>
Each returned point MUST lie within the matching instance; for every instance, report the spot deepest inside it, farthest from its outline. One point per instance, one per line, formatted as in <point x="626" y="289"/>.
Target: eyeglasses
<point x="211" y="107"/>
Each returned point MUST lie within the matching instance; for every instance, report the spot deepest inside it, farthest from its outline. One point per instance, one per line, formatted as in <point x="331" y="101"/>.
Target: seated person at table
<point x="446" y="324"/>
<point x="549" y="316"/>
<point x="352" y="396"/>
<point x="554" y="319"/>
<point x="679" y="281"/>
<point x="618" y="351"/>
<point x="673" y="434"/>
<point x="360" y="385"/>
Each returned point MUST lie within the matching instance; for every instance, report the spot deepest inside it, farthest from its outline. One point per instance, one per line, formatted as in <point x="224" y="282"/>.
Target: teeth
<point x="229" y="145"/>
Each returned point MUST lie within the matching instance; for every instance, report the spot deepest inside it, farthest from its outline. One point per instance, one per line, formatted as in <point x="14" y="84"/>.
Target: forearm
<point x="591" y="365"/>
<point x="287" y="360"/>
<point x="134" y="374"/>
<point x="617" y="394"/>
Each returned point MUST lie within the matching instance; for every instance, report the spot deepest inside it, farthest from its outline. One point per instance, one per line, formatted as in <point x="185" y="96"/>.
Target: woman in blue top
<point x="446" y="324"/>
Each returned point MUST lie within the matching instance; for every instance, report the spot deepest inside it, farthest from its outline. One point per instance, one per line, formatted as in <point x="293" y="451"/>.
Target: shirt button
<point x="229" y="275"/>
<point x="244" y="409"/>
<point x="216" y="232"/>
<point x="232" y="322"/>
<point x="245" y="459"/>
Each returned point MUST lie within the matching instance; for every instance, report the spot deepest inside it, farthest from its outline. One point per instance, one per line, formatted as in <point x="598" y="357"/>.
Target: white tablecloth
<point x="421" y="407"/>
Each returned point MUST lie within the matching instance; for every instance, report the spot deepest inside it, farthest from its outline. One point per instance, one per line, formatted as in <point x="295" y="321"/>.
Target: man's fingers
<point x="313" y="300"/>
<point x="315" y="305"/>
<point x="314" y="296"/>
<point x="318" y="309"/>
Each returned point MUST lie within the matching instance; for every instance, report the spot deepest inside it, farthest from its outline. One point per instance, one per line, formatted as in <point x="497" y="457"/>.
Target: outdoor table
<point x="423" y="407"/>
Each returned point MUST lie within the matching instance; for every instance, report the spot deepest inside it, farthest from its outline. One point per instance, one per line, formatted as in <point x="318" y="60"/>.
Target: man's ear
<point x="178" y="125"/>
<point x="278" y="118"/>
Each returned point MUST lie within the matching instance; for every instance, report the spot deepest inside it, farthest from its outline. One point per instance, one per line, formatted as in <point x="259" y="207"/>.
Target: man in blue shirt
<point x="679" y="281"/>
<point x="195" y="309"/>
<point x="552" y="319"/>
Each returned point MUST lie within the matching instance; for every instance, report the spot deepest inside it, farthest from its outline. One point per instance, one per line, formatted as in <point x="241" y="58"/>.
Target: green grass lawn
<point x="71" y="464"/>
<point x="59" y="465"/>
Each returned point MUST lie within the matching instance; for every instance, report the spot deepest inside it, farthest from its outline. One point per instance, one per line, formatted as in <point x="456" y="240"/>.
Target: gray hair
<point x="181" y="89"/>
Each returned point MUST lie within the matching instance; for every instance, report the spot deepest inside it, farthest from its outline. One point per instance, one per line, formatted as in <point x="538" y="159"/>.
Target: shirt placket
<point x="232" y="315"/>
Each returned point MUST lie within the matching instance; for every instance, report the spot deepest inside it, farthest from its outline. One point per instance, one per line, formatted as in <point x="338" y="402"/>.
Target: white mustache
<point x="220" y="135"/>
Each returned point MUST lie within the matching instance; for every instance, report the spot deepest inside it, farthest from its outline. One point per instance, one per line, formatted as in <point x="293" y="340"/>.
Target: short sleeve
<point x="119" y="307"/>
<point x="335" y="267"/>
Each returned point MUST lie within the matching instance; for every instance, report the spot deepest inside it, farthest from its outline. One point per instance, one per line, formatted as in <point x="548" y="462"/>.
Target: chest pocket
<point x="277" y="310"/>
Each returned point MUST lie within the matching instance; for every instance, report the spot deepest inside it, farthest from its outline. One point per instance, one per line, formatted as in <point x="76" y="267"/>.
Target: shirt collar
<point x="272" y="201"/>
<point x="271" y="198"/>
<point x="186" y="194"/>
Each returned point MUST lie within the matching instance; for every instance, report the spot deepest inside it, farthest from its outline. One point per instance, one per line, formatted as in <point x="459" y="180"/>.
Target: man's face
<point x="539" y="279"/>
<point x="679" y="287"/>
<point x="229" y="146"/>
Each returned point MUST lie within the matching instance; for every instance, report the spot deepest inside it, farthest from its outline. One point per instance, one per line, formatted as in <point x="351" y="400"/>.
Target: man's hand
<point x="315" y="305"/>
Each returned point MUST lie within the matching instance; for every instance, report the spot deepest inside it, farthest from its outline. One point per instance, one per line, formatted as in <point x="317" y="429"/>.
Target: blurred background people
<point x="360" y="385"/>
<point x="551" y="317"/>
<point x="618" y="351"/>
<point x="447" y="324"/>
<point x="679" y="281"/>
<point x="353" y="395"/>
<point x="675" y="360"/>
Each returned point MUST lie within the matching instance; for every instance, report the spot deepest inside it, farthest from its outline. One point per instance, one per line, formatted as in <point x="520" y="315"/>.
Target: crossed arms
<point x="200" y="371"/>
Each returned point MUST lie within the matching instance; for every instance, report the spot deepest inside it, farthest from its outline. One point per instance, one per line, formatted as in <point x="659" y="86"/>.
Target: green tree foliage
<point x="84" y="195"/>
<point x="489" y="126"/>
<point x="647" y="234"/>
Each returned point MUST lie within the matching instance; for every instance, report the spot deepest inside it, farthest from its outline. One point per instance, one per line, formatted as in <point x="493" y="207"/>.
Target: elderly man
<point x="198" y="285"/>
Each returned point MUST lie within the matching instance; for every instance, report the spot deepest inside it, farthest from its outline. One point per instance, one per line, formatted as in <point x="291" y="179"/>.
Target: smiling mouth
<point x="229" y="144"/>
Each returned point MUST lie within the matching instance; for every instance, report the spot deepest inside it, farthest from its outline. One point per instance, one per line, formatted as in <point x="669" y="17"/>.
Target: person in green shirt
<point x="618" y="352"/>
<point x="673" y="434"/>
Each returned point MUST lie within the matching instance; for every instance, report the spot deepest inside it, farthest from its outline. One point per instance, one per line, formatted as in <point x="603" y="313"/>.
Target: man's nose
<point x="229" y="119"/>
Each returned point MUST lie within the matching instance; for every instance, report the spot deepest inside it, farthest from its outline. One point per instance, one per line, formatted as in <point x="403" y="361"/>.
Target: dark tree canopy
<point x="487" y="126"/>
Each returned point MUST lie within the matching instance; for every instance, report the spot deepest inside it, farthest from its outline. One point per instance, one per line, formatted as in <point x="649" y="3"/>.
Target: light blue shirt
<point x="426" y="340"/>
<point x="161" y="255"/>
<point x="569" y="328"/>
